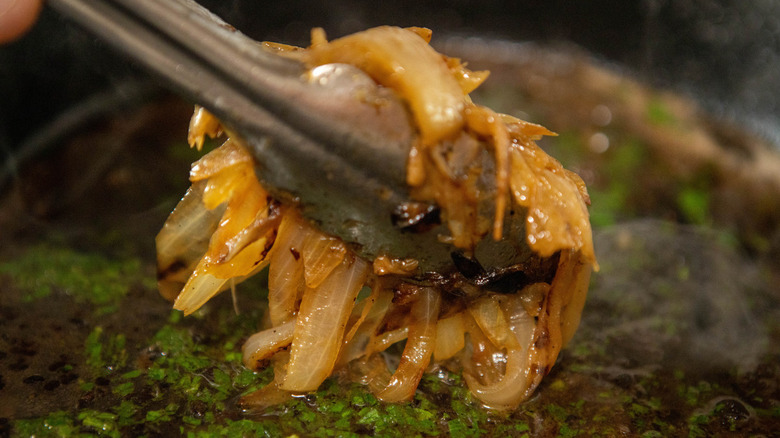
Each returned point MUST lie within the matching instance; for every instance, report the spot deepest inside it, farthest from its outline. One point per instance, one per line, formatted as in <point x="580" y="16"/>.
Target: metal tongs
<point x="339" y="158"/>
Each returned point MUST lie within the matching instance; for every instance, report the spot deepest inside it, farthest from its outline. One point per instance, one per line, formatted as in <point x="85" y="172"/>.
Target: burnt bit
<point x="505" y="280"/>
<point x="264" y="363"/>
<point x="416" y="217"/>
<point x="295" y="253"/>
<point x="404" y="293"/>
<point x="467" y="266"/>
<point x="508" y="282"/>
<point x="269" y="244"/>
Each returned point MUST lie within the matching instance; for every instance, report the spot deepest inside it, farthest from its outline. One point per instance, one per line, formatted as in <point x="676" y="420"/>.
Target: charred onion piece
<point x="501" y="315"/>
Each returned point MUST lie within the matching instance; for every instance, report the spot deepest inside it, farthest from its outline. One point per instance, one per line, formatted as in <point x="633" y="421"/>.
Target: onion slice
<point x="575" y="273"/>
<point x="418" y="350"/>
<point x="209" y="279"/>
<point x="356" y="341"/>
<point x="557" y="211"/>
<point x="183" y="240"/>
<point x="227" y="155"/>
<point x="490" y="318"/>
<point x="320" y="325"/>
<point x="321" y="254"/>
<point x="450" y="337"/>
<point x="202" y="124"/>
<point x="261" y="346"/>
<point x="515" y="385"/>
<point x="402" y="60"/>
<point x="489" y="124"/>
<point x="200" y="288"/>
<point x="285" y="273"/>
<point x="510" y="390"/>
<point x="242" y="236"/>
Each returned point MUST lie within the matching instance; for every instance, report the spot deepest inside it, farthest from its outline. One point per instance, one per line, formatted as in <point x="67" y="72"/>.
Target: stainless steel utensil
<point x="336" y="157"/>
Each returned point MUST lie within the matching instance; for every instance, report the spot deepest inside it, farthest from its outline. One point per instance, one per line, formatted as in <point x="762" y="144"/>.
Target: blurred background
<point x="724" y="52"/>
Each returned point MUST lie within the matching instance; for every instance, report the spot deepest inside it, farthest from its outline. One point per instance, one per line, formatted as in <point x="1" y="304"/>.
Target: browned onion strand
<point x="262" y="345"/>
<point x="227" y="228"/>
<point x="403" y="61"/>
<point x="568" y="289"/>
<point x="489" y="124"/>
<point x="418" y="350"/>
<point x="510" y="389"/>
<point x="481" y="360"/>
<point x="511" y="386"/>
<point x="491" y="320"/>
<point x="577" y="286"/>
<point x="285" y="273"/>
<point x="365" y="328"/>
<point x="321" y="254"/>
<point x="226" y="182"/>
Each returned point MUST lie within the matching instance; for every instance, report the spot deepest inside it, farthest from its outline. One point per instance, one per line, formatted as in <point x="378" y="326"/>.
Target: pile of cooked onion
<point x="331" y="310"/>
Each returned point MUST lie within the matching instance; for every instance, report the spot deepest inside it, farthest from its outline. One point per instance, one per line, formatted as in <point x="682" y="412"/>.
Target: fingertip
<point x="16" y="17"/>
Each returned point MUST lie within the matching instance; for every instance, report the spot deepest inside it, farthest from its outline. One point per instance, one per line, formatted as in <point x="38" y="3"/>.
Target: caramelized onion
<point x="285" y="274"/>
<point x="510" y="390"/>
<point x="200" y="288"/>
<point x="183" y="240"/>
<point x="202" y="124"/>
<point x="450" y="337"/>
<point x="557" y="213"/>
<point x="320" y="325"/>
<point x="575" y="279"/>
<point x="321" y="254"/>
<point x="418" y="350"/>
<point x="216" y="161"/>
<point x="386" y="339"/>
<point x="402" y="60"/>
<point x="384" y="265"/>
<point x="490" y="318"/>
<point x="358" y="339"/>
<point x="488" y="123"/>
<point x="227" y="228"/>
<point x="261" y="346"/>
<point x="514" y="385"/>
<point x="241" y="237"/>
<point x="565" y="300"/>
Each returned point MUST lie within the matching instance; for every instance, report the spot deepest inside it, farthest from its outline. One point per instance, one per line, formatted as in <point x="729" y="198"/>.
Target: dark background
<point x="724" y="52"/>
